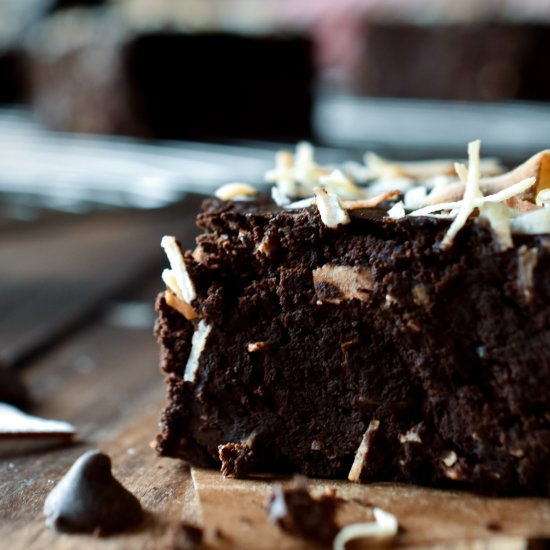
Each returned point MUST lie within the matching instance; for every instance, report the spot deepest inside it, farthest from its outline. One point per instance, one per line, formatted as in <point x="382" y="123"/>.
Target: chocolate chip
<point x="89" y="499"/>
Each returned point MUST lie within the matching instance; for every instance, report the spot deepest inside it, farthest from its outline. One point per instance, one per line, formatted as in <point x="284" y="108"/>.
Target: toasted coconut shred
<point x="296" y="175"/>
<point x="235" y="191"/>
<point x="471" y="192"/>
<point x="397" y="211"/>
<point x="383" y="527"/>
<point x="330" y="208"/>
<point x="177" y="278"/>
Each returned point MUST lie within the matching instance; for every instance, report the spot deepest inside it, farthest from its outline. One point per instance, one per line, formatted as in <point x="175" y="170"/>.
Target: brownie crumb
<point x="187" y="537"/>
<point x="90" y="500"/>
<point x="237" y="459"/>
<point x="295" y="511"/>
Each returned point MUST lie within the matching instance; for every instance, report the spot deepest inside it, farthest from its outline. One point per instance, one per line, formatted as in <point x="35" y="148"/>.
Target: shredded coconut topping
<point x="179" y="305"/>
<point x="504" y="201"/>
<point x="508" y="206"/>
<point x="231" y="191"/>
<point x="415" y="197"/>
<point x="385" y="526"/>
<point x="370" y="203"/>
<point x="304" y="203"/>
<point x="169" y="278"/>
<point x="498" y="215"/>
<point x="471" y="192"/>
<point x="491" y="207"/>
<point x="361" y="455"/>
<point x="198" y="341"/>
<point x="461" y="172"/>
<point x="306" y="170"/>
<point x="330" y="208"/>
<point x="396" y="211"/>
<point x="510" y="202"/>
<point x="378" y="167"/>
<point x="338" y="182"/>
<point x="283" y="176"/>
<point x="532" y="223"/>
<point x="429" y="188"/>
<point x="178" y="276"/>
<point x="296" y="176"/>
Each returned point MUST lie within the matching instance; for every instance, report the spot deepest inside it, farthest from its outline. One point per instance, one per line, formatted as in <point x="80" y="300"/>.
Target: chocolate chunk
<point x="294" y="510"/>
<point x="237" y="459"/>
<point x="89" y="499"/>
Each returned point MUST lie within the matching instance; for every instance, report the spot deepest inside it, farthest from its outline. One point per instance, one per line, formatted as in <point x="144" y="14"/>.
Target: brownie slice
<point x="362" y="351"/>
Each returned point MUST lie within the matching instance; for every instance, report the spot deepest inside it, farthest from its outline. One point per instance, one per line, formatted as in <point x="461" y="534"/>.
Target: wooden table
<point x="77" y="295"/>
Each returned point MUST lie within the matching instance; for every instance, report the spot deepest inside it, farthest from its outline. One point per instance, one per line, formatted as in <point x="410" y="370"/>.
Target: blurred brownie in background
<point x="204" y="85"/>
<point x="477" y="61"/>
<point x="75" y="63"/>
<point x="92" y="70"/>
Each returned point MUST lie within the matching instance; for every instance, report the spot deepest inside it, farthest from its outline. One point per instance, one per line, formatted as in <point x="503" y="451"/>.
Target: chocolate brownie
<point x="376" y="344"/>
<point x="475" y="61"/>
<point x="115" y="76"/>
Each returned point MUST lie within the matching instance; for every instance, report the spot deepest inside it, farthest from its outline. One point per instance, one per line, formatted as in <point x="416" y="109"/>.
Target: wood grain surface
<point x="103" y="377"/>
<point x="426" y="516"/>
<point x="55" y="272"/>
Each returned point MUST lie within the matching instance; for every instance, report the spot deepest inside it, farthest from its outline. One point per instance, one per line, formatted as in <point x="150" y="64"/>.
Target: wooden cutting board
<point x="103" y="377"/>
